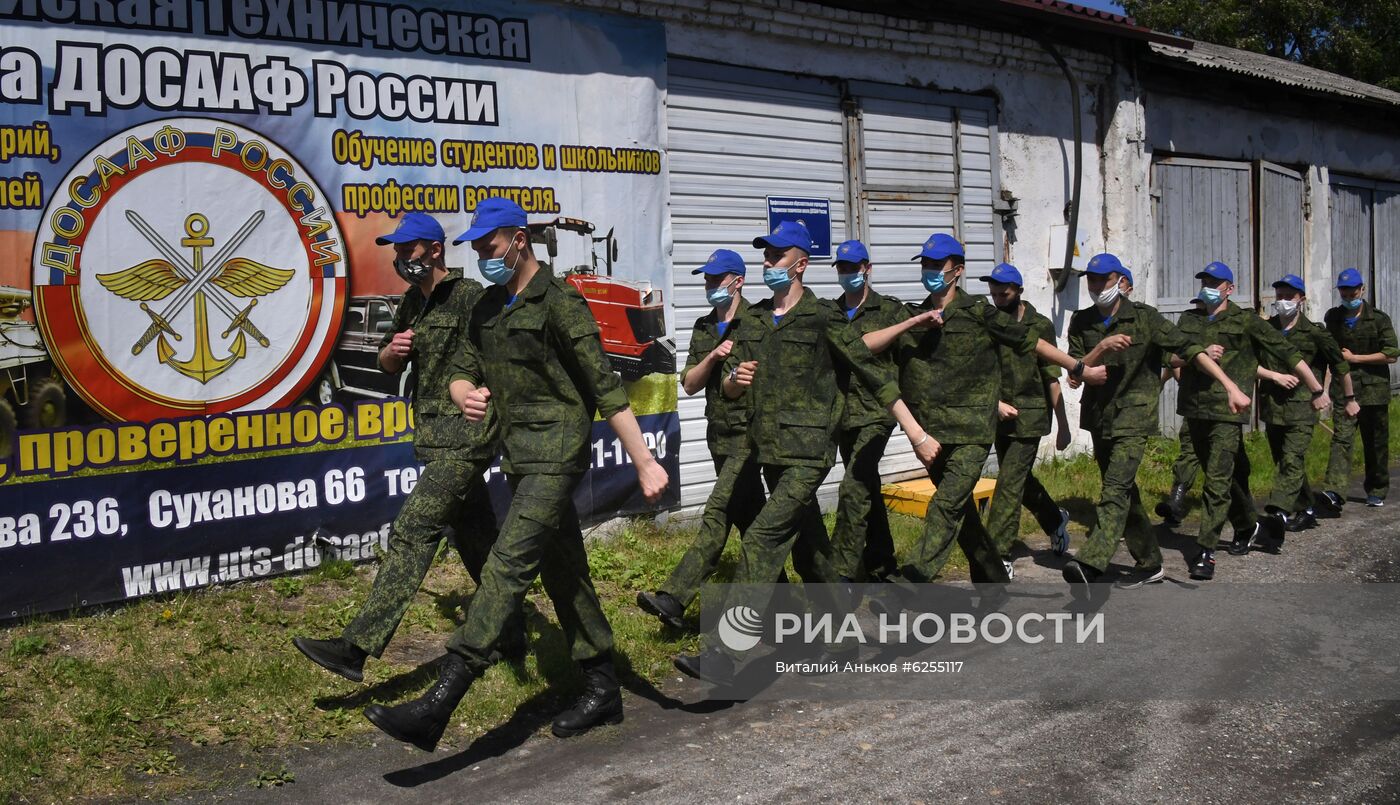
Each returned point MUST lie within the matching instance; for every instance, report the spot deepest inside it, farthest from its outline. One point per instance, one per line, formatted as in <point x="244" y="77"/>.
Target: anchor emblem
<point x="200" y="281"/>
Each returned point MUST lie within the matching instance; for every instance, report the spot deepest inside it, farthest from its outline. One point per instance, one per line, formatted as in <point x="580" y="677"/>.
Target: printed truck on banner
<point x="34" y="395"/>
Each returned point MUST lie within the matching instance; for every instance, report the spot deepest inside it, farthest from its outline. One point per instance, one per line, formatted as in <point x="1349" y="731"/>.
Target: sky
<point x="1105" y="5"/>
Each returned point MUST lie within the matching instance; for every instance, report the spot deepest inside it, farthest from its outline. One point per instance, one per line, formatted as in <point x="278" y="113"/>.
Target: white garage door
<point x="735" y="136"/>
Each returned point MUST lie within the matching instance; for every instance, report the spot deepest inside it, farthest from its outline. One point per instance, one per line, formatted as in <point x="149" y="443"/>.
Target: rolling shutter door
<point x="735" y="139"/>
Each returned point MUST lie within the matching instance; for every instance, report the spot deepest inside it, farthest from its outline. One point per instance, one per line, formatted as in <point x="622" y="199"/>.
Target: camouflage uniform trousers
<point x="1288" y="444"/>
<point x="1017" y="486"/>
<point x="952" y="514"/>
<point x="540" y="537"/>
<point x="1374" y="423"/>
<point x="789" y="524"/>
<point x="1120" y="514"/>
<point x="736" y="499"/>
<point x="449" y="494"/>
<point x="861" y="541"/>
<point x="1225" y="493"/>
<point x="1187" y="466"/>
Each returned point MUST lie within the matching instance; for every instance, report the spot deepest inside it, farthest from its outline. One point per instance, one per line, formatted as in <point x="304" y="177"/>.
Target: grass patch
<point x="192" y="690"/>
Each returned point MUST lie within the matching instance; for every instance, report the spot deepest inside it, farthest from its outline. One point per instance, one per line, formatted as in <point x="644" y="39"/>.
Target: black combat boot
<point x="1173" y="509"/>
<point x="337" y="655"/>
<point x="664" y="606"/>
<point x="710" y="665"/>
<point x="601" y="702"/>
<point x="1302" y="521"/>
<point x="422" y="721"/>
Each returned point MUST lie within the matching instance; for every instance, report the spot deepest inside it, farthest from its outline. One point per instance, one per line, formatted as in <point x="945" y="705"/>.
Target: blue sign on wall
<point x="814" y="213"/>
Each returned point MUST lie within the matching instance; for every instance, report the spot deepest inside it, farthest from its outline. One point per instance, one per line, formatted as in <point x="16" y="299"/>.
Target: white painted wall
<point x="1123" y="126"/>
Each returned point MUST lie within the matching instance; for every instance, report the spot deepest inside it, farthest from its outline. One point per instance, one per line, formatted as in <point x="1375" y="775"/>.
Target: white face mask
<point x="1109" y="295"/>
<point x="1285" y="308"/>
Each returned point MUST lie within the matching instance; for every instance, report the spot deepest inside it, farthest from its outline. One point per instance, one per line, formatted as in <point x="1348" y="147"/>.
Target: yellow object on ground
<point x="912" y="497"/>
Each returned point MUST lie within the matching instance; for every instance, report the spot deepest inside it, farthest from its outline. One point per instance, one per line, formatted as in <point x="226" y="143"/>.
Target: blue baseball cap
<point x="1291" y="281"/>
<point x="940" y="247"/>
<point x="722" y="261"/>
<point x="852" y="251"/>
<point x="786" y="235"/>
<point x="1005" y="273"/>
<point x="1349" y="278"/>
<point x="1128" y="275"/>
<point x="1218" y="271"/>
<point x="414" y="226"/>
<point x="1104" y="264"/>
<point x="490" y="215"/>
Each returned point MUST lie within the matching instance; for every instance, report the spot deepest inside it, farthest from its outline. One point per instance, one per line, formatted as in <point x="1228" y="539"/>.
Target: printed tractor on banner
<point x="631" y="315"/>
<point x="31" y="392"/>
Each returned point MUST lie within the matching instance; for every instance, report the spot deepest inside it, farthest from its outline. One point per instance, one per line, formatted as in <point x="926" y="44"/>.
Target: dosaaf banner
<point x="193" y="300"/>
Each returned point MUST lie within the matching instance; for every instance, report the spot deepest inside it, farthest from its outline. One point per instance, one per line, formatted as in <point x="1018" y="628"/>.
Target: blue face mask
<point x="1352" y="304"/>
<point x="852" y="282"/>
<point x="719" y="297"/>
<point x="1211" y="296"/>
<point x="495" y="271"/>
<point x="934" y="281"/>
<point x="777" y="278"/>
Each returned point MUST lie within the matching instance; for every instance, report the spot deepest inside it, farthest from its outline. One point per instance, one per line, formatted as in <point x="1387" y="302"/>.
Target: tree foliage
<point x="1355" y="38"/>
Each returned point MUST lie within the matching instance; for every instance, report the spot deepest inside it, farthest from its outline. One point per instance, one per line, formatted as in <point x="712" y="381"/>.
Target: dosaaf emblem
<point x="207" y="240"/>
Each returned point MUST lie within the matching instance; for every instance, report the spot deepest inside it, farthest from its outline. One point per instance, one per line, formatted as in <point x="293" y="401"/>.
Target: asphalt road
<point x="671" y="749"/>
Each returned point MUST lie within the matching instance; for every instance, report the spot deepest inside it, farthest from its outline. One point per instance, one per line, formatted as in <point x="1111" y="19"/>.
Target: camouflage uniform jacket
<point x="876" y="313"/>
<point x="1246" y="339"/>
<point x="1373" y="332"/>
<point x="796" y="402"/>
<point x="1024" y="379"/>
<point x="1126" y="404"/>
<point x="1281" y="406"/>
<point x="439" y="325"/>
<point x="728" y="419"/>
<point x="950" y="376"/>
<point x="543" y="361"/>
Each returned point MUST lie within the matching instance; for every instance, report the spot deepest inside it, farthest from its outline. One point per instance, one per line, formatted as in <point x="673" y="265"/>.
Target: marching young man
<point x="861" y="540"/>
<point x="1367" y="339"/>
<point x="1030" y="391"/>
<point x="429" y="323"/>
<point x="1287" y="413"/>
<point x="533" y="354"/>
<point x="737" y="494"/>
<point x="947" y="355"/>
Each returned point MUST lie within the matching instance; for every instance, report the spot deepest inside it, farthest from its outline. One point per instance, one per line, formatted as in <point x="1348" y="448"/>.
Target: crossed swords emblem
<point x="199" y="281"/>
